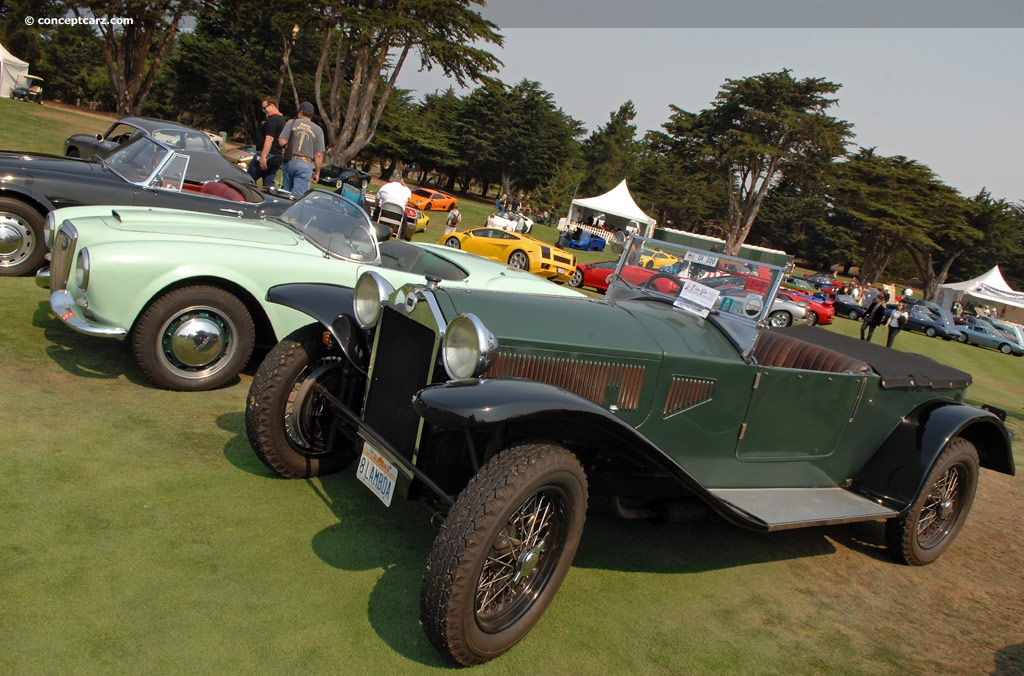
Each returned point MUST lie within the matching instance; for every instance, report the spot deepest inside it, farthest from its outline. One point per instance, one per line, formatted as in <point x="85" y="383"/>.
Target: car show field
<point x="142" y="534"/>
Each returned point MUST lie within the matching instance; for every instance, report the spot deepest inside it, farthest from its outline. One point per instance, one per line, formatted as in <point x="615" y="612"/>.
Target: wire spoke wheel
<point x="503" y="551"/>
<point x="926" y="529"/>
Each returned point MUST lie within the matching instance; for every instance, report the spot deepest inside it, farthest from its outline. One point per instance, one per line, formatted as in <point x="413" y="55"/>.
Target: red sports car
<point x="595" y="275"/>
<point x="821" y="311"/>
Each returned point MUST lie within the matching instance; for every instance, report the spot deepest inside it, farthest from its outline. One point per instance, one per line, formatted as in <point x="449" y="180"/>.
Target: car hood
<point x="191" y="225"/>
<point x="618" y="329"/>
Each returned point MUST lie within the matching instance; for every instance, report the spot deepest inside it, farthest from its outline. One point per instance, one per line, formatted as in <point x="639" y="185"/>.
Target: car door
<point x="778" y="427"/>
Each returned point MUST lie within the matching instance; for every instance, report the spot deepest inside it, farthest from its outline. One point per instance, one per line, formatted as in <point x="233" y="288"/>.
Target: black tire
<point x="22" y="240"/>
<point x="483" y="540"/>
<point x="161" y="339"/>
<point x="288" y="423"/>
<point x="453" y="242"/>
<point x="854" y="315"/>
<point x="962" y="338"/>
<point x="520" y="260"/>
<point x="812" y="319"/>
<point x="576" y="281"/>
<point x="930" y="331"/>
<point x="429" y="206"/>
<point x="780" y="319"/>
<point x="931" y="523"/>
<point x="72" y="152"/>
<point x="1005" y="348"/>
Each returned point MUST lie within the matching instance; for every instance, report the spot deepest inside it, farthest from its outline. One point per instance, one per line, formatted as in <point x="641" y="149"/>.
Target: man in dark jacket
<point x="873" y="318"/>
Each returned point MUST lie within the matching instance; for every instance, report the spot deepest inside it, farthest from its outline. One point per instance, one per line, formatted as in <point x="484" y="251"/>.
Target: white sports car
<point x="511" y="221"/>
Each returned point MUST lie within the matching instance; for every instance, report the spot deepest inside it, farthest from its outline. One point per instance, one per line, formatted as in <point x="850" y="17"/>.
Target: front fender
<point x="548" y="411"/>
<point x="331" y="305"/>
<point x="896" y="472"/>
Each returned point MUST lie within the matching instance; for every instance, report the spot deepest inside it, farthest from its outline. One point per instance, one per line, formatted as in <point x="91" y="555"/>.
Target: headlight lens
<point x="371" y="291"/>
<point x="468" y="345"/>
<point x="82" y="270"/>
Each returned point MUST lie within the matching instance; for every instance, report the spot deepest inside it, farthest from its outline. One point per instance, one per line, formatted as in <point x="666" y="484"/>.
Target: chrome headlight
<point x="82" y="269"/>
<point x="467" y="347"/>
<point x="371" y="290"/>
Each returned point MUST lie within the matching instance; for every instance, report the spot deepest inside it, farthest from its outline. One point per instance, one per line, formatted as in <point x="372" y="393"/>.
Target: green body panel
<point x="743" y="427"/>
<point x="141" y="252"/>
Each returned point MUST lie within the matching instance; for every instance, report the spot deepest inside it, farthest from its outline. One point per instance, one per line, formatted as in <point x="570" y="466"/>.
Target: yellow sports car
<point x="422" y="221"/>
<point x="518" y="250"/>
<point x="655" y="260"/>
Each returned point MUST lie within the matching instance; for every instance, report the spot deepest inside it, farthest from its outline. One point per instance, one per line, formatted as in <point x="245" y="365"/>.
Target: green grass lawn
<point x="142" y="535"/>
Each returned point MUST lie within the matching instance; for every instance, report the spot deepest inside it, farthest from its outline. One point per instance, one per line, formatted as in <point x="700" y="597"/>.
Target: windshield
<point x="695" y="280"/>
<point x="138" y="160"/>
<point x="334" y="225"/>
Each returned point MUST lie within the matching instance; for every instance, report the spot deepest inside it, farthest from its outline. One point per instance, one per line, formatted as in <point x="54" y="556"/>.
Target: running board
<point x="785" y="508"/>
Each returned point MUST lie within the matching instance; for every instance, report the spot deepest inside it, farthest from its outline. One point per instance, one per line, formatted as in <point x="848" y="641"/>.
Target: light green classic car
<point x="187" y="290"/>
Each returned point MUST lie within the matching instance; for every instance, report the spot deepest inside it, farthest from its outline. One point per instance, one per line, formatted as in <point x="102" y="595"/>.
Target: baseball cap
<point x="306" y="107"/>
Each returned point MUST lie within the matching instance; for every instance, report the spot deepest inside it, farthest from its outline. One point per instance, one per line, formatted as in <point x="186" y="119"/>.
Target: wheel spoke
<point x="507" y="570"/>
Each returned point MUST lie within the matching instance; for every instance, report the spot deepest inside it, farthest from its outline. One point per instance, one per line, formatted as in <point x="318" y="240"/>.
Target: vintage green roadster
<point x="506" y="414"/>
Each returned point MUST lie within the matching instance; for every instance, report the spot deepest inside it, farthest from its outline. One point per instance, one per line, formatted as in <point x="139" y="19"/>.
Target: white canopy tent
<point x="616" y="207"/>
<point x="12" y="70"/>
<point x="987" y="289"/>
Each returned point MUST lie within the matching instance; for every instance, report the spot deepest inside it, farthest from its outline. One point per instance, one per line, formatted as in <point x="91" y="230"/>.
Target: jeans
<point x="268" y="175"/>
<point x="893" y="330"/>
<point x="296" y="176"/>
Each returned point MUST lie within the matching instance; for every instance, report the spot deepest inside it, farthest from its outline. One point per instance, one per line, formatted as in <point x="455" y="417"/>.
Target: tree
<point x="365" y="44"/>
<point x="760" y="129"/>
<point x="133" y="52"/>
<point x="611" y="152"/>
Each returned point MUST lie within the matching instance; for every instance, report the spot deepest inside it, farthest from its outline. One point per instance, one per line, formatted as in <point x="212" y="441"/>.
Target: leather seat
<point x="775" y="349"/>
<point x="218" y="189"/>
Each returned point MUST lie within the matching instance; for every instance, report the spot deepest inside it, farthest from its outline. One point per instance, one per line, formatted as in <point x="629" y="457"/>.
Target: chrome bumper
<point x="63" y="305"/>
<point x="43" y="277"/>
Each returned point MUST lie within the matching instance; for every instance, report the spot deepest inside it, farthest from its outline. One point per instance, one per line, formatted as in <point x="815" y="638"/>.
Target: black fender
<point x="331" y="306"/>
<point x="32" y="198"/>
<point x="896" y="472"/>
<point x="556" y="414"/>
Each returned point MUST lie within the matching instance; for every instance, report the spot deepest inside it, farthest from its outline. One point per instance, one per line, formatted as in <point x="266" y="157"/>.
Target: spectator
<point x="454" y="217"/>
<point x="395" y="192"/>
<point x="872" y="318"/>
<point x="897" y="320"/>
<point x="303" y="142"/>
<point x="267" y="160"/>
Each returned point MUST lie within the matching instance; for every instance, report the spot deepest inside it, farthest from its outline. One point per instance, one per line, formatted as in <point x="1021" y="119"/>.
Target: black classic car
<point x="206" y="163"/>
<point x="142" y="172"/>
<point x="337" y="175"/>
<point x="508" y="414"/>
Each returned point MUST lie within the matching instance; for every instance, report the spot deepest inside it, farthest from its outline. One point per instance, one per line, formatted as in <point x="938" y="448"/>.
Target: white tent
<point x="615" y="206"/>
<point x="987" y="289"/>
<point x="11" y="71"/>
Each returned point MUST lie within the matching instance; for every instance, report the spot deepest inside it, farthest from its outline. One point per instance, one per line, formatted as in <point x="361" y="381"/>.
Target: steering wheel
<point x="649" y="284"/>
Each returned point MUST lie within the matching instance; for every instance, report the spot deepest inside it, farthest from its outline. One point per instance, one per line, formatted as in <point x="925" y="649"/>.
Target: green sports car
<point x="507" y="415"/>
<point x="187" y="290"/>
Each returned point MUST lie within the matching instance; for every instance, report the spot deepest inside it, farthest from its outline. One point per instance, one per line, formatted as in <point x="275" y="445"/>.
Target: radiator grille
<point x="62" y="256"/>
<point x="402" y="362"/>
<point x="685" y="392"/>
<point x="589" y="379"/>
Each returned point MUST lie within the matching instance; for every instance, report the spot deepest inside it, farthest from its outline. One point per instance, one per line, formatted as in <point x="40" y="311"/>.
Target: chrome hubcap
<point x="195" y="339"/>
<point x="16" y="240"/>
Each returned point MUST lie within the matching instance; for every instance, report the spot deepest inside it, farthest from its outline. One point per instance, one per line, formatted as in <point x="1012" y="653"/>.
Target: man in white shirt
<point x="396" y="192"/>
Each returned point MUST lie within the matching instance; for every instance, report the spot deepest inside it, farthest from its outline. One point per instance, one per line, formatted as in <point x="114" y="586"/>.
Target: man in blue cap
<point x="303" y="142"/>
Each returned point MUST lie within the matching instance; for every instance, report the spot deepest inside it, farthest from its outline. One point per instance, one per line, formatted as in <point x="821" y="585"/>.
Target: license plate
<point x="378" y="473"/>
<point x="561" y="271"/>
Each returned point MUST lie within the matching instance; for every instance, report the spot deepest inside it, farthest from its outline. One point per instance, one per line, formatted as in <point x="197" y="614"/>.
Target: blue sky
<point x="950" y="98"/>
